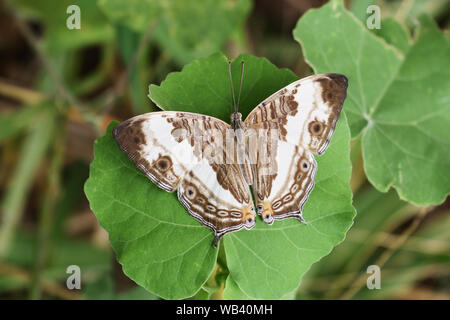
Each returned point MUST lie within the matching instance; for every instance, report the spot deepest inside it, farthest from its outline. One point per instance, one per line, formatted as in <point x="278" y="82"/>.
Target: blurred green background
<point x="60" y="88"/>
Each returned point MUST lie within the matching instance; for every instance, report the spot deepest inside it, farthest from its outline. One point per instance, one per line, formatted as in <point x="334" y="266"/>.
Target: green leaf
<point x="64" y="252"/>
<point x="13" y="123"/>
<point x="168" y="252"/>
<point x="186" y="29"/>
<point x="359" y="8"/>
<point x="204" y="86"/>
<point x="394" y="34"/>
<point x="159" y="246"/>
<point x="233" y="292"/>
<point x="32" y="151"/>
<point x="410" y="10"/>
<point x="137" y="14"/>
<point x="399" y="102"/>
<point x="94" y="25"/>
<point x="275" y="257"/>
<point x="128" y="42"/>
<point x="376" y="212"/>
<point x="103" y="289"/>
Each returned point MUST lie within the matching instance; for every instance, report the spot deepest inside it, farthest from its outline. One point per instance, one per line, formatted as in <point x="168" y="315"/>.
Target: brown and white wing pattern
<point x="297" y="122"/>
<point x="224" y="205"/>
<point x="182" y="151"/>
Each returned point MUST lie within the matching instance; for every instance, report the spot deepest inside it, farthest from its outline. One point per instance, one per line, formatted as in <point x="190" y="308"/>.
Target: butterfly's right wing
<point x="288" y="128"/>
<point x="185" y="152"/>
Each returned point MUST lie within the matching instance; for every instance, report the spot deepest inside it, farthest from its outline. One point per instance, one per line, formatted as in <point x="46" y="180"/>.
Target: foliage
<point x="94" y="28"/>
<point x="158" y="243"/>
<point x="186" y="29"/>
<point x="61" y="89"/>
<point x="397" y="98"/>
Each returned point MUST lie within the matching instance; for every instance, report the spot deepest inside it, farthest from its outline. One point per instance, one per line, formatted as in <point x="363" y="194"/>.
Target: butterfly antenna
<point x="240" y="83"/>
<point x="232" y="87"/>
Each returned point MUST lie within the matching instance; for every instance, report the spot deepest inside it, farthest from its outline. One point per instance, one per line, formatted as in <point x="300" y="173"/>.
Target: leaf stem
<point x="48" y="287"/>
<point x="23" y="95"/>
<point x="381" y="261"/>
<point x="46" y="218"/>
<point x="55" y="77"/>
<point x="31" y="154"/>
<point x="124" y="78"/>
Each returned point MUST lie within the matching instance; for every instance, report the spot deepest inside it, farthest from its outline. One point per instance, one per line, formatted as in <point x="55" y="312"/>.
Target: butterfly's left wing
<point x="185" y="152"/>
<point x="287" y="129"/>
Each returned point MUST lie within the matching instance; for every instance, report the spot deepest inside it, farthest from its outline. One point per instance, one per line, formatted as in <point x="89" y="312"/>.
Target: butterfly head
<point x="236" y="117"/>
<point x="236" y="120"/>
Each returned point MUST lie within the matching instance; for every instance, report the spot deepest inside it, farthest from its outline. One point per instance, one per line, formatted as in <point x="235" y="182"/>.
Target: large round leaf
<point x="171" y="254"/>
<point x="398" y="100"/>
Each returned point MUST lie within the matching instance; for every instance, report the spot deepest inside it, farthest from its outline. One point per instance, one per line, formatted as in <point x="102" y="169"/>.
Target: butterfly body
<point x="211" y="163"/>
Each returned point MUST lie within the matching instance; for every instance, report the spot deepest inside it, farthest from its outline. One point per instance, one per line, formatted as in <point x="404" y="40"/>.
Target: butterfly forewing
<point x="151" y="141"/>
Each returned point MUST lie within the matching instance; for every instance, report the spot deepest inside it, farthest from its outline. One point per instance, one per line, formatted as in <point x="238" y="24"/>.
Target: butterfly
<point x="211" y="163"/>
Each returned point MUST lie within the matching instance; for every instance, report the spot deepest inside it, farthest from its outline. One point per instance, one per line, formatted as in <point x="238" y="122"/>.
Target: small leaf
<point x="168" y="252"/>
<point x="93" y="23"/>
<point x="399" y="102"/>
<point x="128" y="44"/>
<point x="185" y="29"/>
<point x="359" y="8"/>
<point x="15" y="122"/>
<point x="103" y="289"/>
<point x="233" y="292"/>
<point x="394" y="34"/>
<point x="204" y="86"/>
<point x="33" y="149"/>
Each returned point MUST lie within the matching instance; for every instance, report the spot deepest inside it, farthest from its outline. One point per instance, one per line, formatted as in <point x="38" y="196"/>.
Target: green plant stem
<point x="134" y="61"/>
<point x="414" y="244"/>
<point x="403" y="10"/>
<point x="23" y="95"/>
<point x="358" y="177"/>
<point x="36" y="45"/>
<point x="46" y="219"/>
<point x="31" y="154"/>
<point x="368" y="247"/>
<point x="57" y="80"/>
<point x="49" y="287"/>
<point x="386" y="255"/>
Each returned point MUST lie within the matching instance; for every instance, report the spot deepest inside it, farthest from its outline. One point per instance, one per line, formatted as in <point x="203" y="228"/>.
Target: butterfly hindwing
<point x="283" y="184"/>
<point x="297" y="122"/>
<point x="223" y="204"/>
